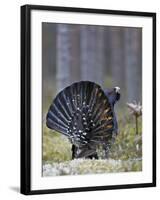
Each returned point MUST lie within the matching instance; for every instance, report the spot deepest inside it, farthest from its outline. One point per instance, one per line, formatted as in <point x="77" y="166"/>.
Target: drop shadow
<point x="15" y="189"/>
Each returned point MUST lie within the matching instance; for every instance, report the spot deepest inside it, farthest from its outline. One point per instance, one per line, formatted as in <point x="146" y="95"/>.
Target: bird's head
<point x="113" y="95"/>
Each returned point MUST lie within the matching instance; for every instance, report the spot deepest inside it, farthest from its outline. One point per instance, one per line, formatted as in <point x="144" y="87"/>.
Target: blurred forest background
<point x="110" y="56"/>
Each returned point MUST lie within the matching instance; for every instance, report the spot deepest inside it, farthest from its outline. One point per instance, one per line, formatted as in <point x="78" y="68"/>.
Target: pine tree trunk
<point x="133" y="63"/>
<point x="75" y="53"/>
<point x="63" y="56"/>
<point x="100" y="55"/>
<point x="92" y="53"/>
<point x="117" y="57"/>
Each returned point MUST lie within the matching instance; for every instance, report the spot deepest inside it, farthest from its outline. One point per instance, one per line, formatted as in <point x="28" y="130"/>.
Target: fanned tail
<point x="83" y="113"/>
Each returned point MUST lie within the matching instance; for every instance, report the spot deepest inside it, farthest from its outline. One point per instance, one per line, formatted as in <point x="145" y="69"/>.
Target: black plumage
<point x="85" y="114"/>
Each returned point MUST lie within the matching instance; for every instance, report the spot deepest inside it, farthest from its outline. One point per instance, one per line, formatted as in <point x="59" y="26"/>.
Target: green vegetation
<point x="56" y="147"/>
<point x="128" y="144"/>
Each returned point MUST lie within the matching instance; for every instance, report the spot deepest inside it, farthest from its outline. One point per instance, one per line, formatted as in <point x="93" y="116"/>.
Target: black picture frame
<point x="25" y="183"/>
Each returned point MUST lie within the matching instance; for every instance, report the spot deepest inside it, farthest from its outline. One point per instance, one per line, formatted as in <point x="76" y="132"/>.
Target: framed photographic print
<point x="88" y="99"/>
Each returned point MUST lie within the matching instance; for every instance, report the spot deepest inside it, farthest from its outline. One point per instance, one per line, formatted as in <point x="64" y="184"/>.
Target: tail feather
<point x="82" y="112"/>
<point x="57" y="126"/>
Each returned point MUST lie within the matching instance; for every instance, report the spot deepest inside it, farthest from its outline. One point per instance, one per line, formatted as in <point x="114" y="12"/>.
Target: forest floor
<point x="125" y="154"/>
<point x="88" y="166"/>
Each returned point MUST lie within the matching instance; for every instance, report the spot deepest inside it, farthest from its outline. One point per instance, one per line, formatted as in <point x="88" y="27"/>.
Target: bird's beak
<point x="117" y="89"/>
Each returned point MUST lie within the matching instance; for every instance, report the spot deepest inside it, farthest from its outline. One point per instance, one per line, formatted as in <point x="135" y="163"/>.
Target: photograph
<point x="92" y="99"/>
